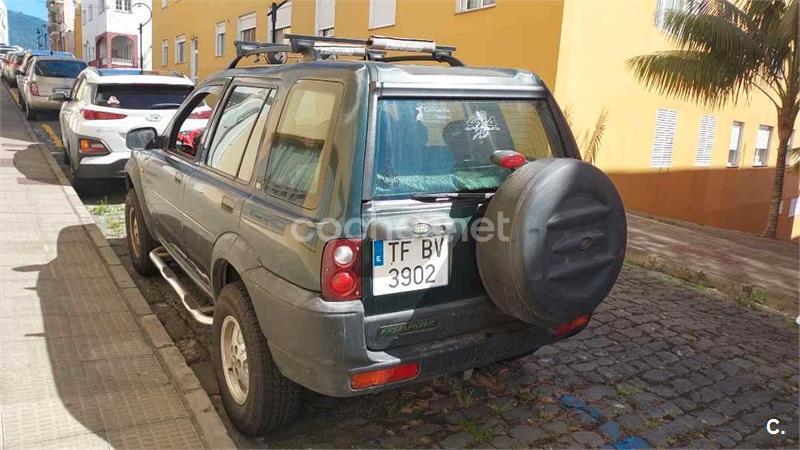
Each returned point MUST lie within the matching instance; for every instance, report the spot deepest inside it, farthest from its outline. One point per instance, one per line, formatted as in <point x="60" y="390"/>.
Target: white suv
<point x="103" y="105"/>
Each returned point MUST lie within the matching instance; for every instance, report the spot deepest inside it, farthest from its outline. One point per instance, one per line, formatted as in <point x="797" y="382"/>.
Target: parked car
<point x="43" y="76"/>
<point x="328" y="210"/>
<point x="11" y="66"/>
<point x="104" y="105"/>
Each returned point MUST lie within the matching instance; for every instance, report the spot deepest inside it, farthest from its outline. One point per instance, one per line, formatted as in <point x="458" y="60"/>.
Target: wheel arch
<point x="230" y="258"/>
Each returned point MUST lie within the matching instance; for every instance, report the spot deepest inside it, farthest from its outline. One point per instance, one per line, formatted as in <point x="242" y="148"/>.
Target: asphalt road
<point x="663" y="364"/>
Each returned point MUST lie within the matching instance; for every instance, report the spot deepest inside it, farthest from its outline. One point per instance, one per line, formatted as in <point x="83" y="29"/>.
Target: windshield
<point x="435" y="146"/>
<point x="141" y="96"/>
<point x="59" y="69"/>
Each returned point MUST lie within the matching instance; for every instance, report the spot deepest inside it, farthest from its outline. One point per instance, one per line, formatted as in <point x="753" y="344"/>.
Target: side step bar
<point x="198" y="312"/>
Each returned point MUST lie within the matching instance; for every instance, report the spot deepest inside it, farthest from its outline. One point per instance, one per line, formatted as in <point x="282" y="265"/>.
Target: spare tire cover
<point x="558" y="242"/>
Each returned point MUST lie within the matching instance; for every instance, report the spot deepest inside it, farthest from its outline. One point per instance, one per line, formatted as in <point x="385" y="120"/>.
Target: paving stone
<point x="527" y="434"/>
<point x="171" y="434"/>
<point x="458" y="440"/>
<point x="588" y="439"/>
<point x="49" y="419"/>
<point x="123" y="409"/>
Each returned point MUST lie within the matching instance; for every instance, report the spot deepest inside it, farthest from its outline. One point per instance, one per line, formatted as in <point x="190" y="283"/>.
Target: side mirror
<point x="142" y="139"/>
<point x="58" y="97"/>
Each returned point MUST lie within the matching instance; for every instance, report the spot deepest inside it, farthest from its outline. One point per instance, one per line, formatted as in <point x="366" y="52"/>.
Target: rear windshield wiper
<point x="446" y="196"/>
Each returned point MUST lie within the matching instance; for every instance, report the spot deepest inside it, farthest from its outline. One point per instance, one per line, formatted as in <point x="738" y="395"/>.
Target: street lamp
<point x="141" y="26"/>
<point x="273" y="15"/>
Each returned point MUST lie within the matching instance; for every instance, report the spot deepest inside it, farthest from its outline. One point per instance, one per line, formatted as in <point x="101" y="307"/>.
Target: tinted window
<point x="431" y="145"/>
<point x="141" y="96"/>
<point x="59" y="69"/>
<point x="297" y="161"/>
<point x="234" y="128"/>
<point x="250" y="153"/>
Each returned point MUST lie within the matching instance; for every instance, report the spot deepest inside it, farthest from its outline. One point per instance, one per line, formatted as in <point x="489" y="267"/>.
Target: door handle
<point x="178" y="177"/>
<point x="227" y="204"/>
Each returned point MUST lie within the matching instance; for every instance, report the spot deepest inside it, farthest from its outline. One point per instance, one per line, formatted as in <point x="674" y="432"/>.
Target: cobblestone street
<point x="663" y="363"/>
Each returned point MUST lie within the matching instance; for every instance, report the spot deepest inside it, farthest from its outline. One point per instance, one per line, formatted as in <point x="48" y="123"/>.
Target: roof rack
<point x="316" y="48"/>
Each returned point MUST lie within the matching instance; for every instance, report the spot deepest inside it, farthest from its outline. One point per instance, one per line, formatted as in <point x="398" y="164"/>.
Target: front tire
<point x="257" y="397"/>
<point x="140" y="241"/>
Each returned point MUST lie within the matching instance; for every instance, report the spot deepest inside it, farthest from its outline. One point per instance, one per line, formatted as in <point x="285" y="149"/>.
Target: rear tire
<point x="268" y="400"/>
<point x="140" y="241"/>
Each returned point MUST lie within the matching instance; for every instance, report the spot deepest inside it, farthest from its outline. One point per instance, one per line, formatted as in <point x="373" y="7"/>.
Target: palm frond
<point x="596" y="138"/>
<point x="712" y="33"/>
<point x="692" y="75"/>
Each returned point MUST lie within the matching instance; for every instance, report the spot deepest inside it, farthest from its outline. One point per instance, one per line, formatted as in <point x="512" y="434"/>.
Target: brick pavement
<point x="79" y="366"/>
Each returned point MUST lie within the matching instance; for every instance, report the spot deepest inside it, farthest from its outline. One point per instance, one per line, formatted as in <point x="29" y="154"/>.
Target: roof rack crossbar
<point x="317" y="48"/>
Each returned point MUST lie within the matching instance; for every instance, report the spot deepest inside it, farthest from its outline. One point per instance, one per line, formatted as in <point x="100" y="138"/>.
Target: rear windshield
<point x="59" y="69"/>
<point x="435" y="146"/>
<point x="141" y="96"/>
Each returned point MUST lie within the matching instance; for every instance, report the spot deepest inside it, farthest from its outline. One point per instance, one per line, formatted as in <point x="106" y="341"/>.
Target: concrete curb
<point x="205" y="418"/>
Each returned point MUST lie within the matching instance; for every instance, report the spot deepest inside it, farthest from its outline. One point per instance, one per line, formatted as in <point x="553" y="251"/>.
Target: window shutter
<point x="220" y="28"/>
<point x="247" y="22"/>
<point x="284" y="17"/>
<point x="381" y="13"/>
<point x="762" y="138"/>
<point x="326" y="13"/>
<point x="664" y="140"/>
<point x="705" y="140"/>
<point x="736" y="135"/>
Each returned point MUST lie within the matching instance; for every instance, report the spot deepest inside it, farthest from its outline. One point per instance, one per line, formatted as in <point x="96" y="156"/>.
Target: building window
<point x="763" y="139"/>
<point x="83" y="14"/>
<point x="164" y="52"/>
<point x="283" y="23"/>
<point x="164" y="3"/>
<point x="794" y="207"/>
<point x="325" y="17"/>
<point x="468" y="5"/>
<point x="789" y="147"/>
<point x="91" y="11"/>
<point x="247" y="27"/>
<point x="219" y="48"/>
<point x="123" y="5"/>
<point x="664" y="139"/>
<point x="662" y="6"/>
<point x="705" y="140"/>
<point x="381" y="13"/>
<point x="180" y="49"/>
<point x="735" y="144"/>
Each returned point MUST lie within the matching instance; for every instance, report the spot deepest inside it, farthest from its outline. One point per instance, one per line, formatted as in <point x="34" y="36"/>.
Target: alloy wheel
<point x="234" y="360"/>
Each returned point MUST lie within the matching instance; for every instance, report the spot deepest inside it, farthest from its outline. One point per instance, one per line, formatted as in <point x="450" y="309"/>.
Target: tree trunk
<point x="786" y="118"/>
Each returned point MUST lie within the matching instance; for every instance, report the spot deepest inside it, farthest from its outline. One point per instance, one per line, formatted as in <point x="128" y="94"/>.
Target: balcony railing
<point x="122" y="61"/>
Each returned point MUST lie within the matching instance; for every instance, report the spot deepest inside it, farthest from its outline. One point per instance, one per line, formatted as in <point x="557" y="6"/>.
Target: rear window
<point x="434" y="146"/>
<point x="141" y="96"/>
<point x="59" y="69"/>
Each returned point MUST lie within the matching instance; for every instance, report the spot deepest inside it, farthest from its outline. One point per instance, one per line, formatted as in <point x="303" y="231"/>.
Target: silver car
<point x="43" y="76"/>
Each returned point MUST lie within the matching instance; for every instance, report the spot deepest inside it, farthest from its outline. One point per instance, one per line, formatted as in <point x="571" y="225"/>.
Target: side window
<point x="300" y="149"/>
<point x="250" y="153"/>
<point x="189" y="128"/>
<point x="234" y="128"/>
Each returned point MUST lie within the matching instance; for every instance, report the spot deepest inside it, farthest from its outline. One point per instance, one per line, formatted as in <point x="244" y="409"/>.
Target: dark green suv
<point x="359" y="223"/>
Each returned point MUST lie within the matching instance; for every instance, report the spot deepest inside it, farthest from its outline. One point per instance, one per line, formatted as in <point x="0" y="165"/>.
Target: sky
<point x="36" y="8"/>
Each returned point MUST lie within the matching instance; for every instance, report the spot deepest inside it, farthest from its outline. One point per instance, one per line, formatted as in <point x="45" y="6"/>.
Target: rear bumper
<point x="40" y="103"/>
<point x="321" y="344"/>
<point x="106" y="166"/>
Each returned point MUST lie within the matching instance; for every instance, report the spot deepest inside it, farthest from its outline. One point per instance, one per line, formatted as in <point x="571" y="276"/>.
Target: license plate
<point x="410" y="264"/>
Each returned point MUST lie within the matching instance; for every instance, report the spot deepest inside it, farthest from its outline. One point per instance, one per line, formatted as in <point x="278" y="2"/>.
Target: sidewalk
<point x="731" y="261"/>
<point x="84" y="363"/>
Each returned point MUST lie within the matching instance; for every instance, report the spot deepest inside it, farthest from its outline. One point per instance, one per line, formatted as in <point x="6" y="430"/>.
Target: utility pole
<point x="141" y="27"/>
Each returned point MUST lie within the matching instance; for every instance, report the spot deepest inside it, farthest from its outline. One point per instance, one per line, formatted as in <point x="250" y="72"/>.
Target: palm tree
<point x="725" y="50"/>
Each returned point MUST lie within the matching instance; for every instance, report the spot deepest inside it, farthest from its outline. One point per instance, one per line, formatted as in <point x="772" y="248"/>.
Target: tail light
<point x="33" y="87"/>
<point x="380" y="377"/>
<point x="204" y="114"/>
<point x="91" y="147"/>
<point x="572" y="327"/>
<point x="91" y="114"/>
<point x="508" y="159"/>
<point x="341" y="270"/>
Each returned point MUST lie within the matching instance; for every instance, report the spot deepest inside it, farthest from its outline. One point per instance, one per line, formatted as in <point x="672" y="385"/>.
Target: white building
<point x="61" y="24"/>
<point x="3" y="22"/>
<point x="110" y="32"/>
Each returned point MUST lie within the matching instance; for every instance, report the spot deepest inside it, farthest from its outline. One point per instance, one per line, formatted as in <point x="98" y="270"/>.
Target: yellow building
<point x="667" y="157"/>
